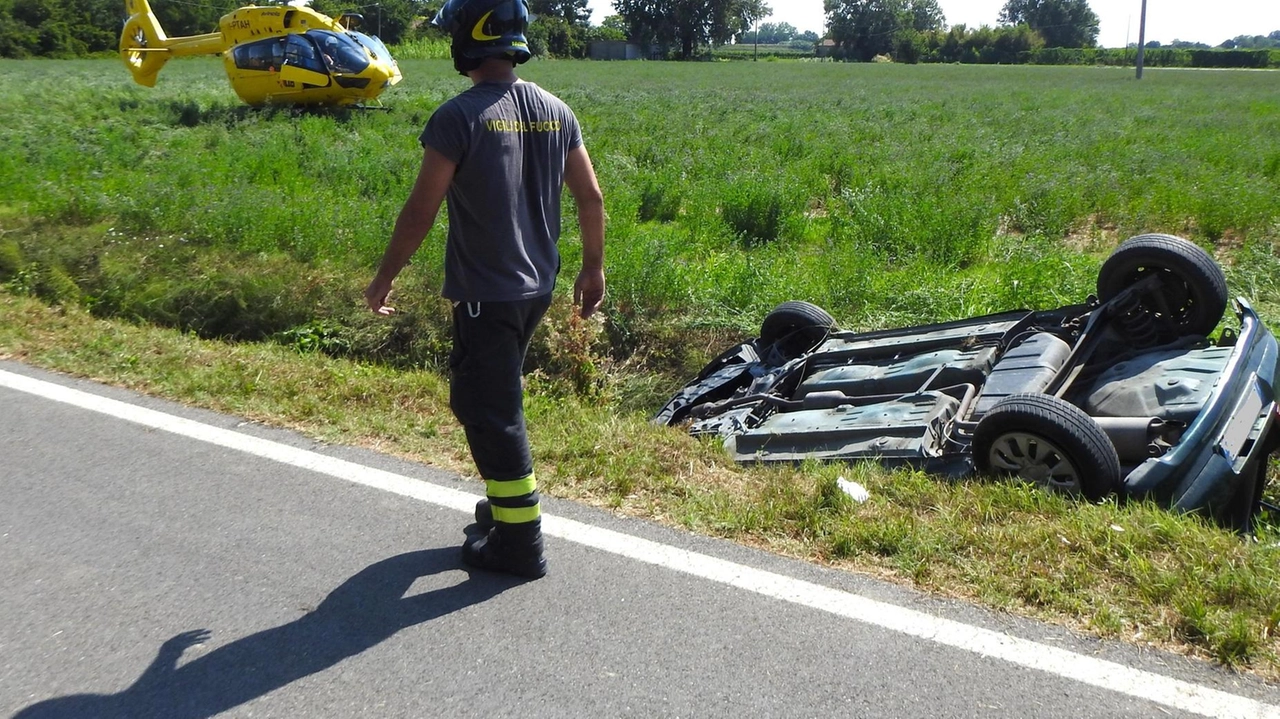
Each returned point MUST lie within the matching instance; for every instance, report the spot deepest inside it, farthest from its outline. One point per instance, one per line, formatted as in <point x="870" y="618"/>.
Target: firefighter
<point x="499" y="153"/>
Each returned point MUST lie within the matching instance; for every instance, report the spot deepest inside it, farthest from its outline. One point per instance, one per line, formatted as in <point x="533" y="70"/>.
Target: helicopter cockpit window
<point x="299" y="51"/>
<point x="342" y="54"/>
<point x="261" y="55"/>
<point x="373" y="45"/>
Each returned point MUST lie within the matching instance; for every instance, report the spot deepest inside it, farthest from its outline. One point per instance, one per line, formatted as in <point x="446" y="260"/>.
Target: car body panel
<point x="1229" y="439"/>
<point x="908" y="428"/>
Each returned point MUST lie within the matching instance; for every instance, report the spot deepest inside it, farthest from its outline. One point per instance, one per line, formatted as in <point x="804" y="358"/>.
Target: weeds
<point x="887" y="195"/>
<point x="851" y="171"/>
<point x="758" y="211"/>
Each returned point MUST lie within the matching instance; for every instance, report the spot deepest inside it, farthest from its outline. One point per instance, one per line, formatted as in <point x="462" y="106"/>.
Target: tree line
<point x="780" y="33"/>
<point x="71" y="28"/>
<point x="857" y="30"/>
<point x="914" y="30"/>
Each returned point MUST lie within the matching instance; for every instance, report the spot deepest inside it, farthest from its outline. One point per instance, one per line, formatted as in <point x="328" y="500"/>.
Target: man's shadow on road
<point x="368" y="608"/>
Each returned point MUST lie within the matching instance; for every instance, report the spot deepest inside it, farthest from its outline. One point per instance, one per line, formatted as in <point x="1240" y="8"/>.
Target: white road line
<point x="984" y="642"/>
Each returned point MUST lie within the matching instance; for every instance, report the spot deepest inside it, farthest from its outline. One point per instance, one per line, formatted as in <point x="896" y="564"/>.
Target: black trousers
<point x="490" y="340"/>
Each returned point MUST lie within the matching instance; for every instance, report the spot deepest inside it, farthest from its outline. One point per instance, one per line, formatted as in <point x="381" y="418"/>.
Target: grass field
<point x="887" y="194"/>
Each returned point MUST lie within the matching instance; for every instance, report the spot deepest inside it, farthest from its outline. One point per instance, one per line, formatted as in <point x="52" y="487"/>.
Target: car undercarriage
<point x="1130" y="392"/>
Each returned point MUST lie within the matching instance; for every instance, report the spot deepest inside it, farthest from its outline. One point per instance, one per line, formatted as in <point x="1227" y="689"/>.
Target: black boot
<point x="514" y="549"/>
<point x="484" y="515"/>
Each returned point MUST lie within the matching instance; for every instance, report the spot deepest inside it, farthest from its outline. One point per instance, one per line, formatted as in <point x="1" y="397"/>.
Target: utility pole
<point x="1142" y="36"/>
<point x="755" y="51"/>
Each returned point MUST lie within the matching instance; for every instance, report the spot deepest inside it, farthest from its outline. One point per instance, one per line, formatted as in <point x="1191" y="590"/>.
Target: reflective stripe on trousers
<point x="490" y="340"/>
<point x="513" y="501"/>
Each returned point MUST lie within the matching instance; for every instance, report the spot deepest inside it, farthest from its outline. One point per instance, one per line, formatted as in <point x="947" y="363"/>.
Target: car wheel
<point x="793" y="328"/>
<point x="1047" y="441"/>
<point x="1193" y="292"/>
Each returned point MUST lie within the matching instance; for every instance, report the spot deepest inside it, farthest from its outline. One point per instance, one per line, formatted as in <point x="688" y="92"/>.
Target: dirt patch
<point x="1227" y="246"/>
<point x="1092" y="234"/>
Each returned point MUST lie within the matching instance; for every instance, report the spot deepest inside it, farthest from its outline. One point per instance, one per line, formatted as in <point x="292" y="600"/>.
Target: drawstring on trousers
<point x="473" y="311"/>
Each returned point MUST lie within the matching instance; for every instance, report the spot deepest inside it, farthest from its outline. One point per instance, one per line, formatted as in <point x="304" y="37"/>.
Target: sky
<point x="1167" y="20"/>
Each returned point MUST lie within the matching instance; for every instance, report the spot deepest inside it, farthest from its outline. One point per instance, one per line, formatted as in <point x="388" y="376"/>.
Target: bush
<point x="1057" y="56"/>
<point x="55" y="286"/>
<point x="747" y="51"/>
<point x="10" y="260"/>
<point x="1230" y="58"/>
<point x="659" y="200"/>
<point x="757" y="211"/>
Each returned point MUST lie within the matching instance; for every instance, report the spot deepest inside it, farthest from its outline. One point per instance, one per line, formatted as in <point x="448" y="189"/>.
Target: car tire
<point x="1047" y="441"/>
<point x="1194" y="294"/>
<point x="795" y="327"/>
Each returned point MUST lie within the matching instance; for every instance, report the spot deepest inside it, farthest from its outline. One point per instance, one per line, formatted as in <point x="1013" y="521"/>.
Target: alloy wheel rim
<point x="1035" y="459"/>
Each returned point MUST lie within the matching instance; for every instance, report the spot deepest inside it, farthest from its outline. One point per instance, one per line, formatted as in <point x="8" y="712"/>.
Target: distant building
<point x="614" y="50"/>
<point x="826" y="47"/>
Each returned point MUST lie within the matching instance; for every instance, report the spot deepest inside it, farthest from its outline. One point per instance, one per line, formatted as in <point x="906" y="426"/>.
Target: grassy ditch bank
<point x="1134" y="572"/>
<point x="888" y="195"/>
<point x="173" y="241"/>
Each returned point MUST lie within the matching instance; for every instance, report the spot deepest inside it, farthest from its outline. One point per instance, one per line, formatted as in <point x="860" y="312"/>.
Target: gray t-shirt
<point x="510" y="141"/>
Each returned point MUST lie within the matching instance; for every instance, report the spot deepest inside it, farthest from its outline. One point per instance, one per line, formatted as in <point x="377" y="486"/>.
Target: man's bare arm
<point x="412" y="225"/>
<point x="580" y="176"/>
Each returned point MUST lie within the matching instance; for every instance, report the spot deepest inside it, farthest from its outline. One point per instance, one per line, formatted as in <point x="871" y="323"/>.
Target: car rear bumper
<point x="1219" y="465"/>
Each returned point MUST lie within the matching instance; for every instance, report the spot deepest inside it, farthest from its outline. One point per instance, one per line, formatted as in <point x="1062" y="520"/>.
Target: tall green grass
<point x="423" y="48"/>
<point x="887" y="194"/>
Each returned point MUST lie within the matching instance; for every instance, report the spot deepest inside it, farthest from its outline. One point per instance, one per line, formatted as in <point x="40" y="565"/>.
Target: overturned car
<point x="1125" y="393"/>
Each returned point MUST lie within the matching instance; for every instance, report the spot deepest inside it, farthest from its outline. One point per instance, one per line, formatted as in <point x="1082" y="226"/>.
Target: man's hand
<point x="412" y="225"/>
<point x="375" y="295"/>
<point x="588" y="291"/>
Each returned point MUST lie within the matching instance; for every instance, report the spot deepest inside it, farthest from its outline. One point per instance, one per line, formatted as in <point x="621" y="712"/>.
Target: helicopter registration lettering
<point x="239" y="24"/>
<point x="520" y="126"/>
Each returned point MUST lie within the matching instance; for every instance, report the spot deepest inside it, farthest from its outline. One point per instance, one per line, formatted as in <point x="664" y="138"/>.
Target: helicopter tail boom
<point x="145" y="48"/>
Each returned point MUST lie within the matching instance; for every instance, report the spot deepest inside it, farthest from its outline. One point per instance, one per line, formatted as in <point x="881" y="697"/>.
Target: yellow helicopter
<point x="287" y="54"/>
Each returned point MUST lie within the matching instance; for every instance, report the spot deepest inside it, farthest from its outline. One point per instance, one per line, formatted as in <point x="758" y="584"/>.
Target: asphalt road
<point x="187" y="564"/>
